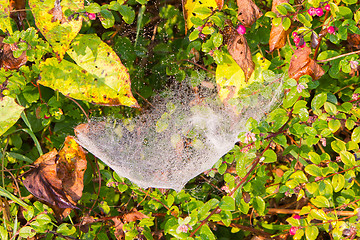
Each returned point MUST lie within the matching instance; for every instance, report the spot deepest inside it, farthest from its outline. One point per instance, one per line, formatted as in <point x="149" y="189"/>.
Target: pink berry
<point x="319" y="12"/>
<point x="312" y="11"/>
<point x="92" y="16"/>
<point x="241" y="29"/>
<point x="296" y="39"/>
<point x="46" y="116"/>
<point x="296" y="217"/>
<point x="293" y="230"/>
<point x="294" y="34"/>
<point x="331" y="30"/>
<point x="302" y="45"/>
<point x="327" y="7"/>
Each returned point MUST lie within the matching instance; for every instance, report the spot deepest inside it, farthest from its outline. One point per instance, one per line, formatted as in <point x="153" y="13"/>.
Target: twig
<point x="297" y="211"/>
<point x="86" y="115"/>
<point x="340" y="56"/>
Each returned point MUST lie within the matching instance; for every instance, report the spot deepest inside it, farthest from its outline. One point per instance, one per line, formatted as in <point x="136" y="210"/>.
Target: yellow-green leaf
<point x="231" y="78"/>
<point x="199" y="8"/>
<point x="99" y="76"/>
<point x="5" y="24"/>
<point x="9" y="113"/>
<point x="58" y="30"/>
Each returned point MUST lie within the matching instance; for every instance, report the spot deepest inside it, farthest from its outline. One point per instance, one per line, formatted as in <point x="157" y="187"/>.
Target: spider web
<point x="184" y="134"/>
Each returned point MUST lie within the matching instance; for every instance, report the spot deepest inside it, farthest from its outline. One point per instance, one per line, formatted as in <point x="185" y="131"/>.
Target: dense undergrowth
<point x="295" y="174"/>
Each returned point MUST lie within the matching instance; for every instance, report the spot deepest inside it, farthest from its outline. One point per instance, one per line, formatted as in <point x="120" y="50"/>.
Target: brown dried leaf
<point x="43" y="183"/>
<point x="7" y="59"/>
<point x="119" y="232"/>
<point x="71" y="168"/>
<point x="57" y="178"/>
<point x="133" y="216"/>
<point x="248" y="12"/>
<point x="301" y="64"/>
<point x="239" y="50"/>
<point x="278" y="35"/>
<point x="277" y="38"/>
<point x="354" y="40"/>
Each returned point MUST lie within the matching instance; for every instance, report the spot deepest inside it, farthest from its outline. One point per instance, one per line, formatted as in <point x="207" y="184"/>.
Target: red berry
<point x="92" y="16"/>
<point x="319" y="12"/>
<point x="293" y="230"/>
<point x="312" y="11"/>
<point x="294" y="34"/>
<point x="296" y="39"/>
<point x="327" y="7"/>
<point x="331" y="30"/>
<point x="241" y="29"/>
<point x="303" y="45"/>
<point x="296" y="217"/>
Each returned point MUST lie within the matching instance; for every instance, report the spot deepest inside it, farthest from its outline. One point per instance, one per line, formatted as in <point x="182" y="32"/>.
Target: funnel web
<point x="183" y="135"/>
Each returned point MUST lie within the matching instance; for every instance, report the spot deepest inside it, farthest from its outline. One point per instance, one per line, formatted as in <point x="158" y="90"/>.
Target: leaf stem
<point x="339" y="56"/>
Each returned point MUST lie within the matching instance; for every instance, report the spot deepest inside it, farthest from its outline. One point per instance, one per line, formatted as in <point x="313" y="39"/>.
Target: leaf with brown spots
<point x="57" y="178"/>
<point x="278" y="35"/>
<point x="301" y="64"/>
<point x="5" y="9"/>
<point x="248" y="12"/>
<point x="99" y="76"/>
<point x="191" y="8"/>
<point x="7" y="59"/>
<point x="50" y="19"/>
<point x="239" y="50"/>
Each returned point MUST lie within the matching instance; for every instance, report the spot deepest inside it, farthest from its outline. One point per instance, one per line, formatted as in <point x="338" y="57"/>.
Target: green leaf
<point x="203" y="211"/>
<point x="7" y="194"/>
<point x="313" y="170"/>
<point x="107" y="18"/>
<point x="227" y="203"/>
<point x="314" y="157"/>
<point x="330" y="108"/>
<point x="318" y="214"/>
<point x="270" y="156"/>
<point x="355" y="135"/>
<point x="334" y="125"/>
<point x="66" y="229"/>
<point x="281" y="9"/>
<point x="259" y="205"/>
<point x="27" y="232"/>
<point x="217" y="39"/>
<point x="347" y="158"/>
<point x="206" y="233"/>
<point x="338" y="146"/>
<point x="338" y="182"/>
<point x="9" y="113"/>
<point x="52" y="23"/>
<point x="320" y="201"/>
<point x="194" y="35"/>
<point x="3" y="233"/>
<point x="286" y="23"/>
<point x="318" y="101"/>
<point x="99" y="77"/>
<point x="127" y="13"/>
<point x="311" y="232"/>
<point x="5" y="24"/>
<point x="93" y="8"/>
